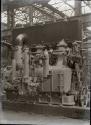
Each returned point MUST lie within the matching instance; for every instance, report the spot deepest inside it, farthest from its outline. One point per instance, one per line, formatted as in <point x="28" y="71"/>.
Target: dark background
<point x="51" y="33"/>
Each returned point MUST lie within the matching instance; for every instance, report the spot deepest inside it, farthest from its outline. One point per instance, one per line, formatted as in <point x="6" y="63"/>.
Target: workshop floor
<point x="11" y="117"/>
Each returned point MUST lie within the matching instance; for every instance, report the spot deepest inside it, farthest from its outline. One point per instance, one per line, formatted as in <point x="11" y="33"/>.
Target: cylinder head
<point x="22" y="39"/>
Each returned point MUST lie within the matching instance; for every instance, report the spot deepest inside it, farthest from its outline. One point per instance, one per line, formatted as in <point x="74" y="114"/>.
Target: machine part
<point x="44" y="98"/>
<point x="36" y="79"/>
<point x="13" y="69"/>
<point x="78" y="72"/>
<point x="46" y="84"/>
<point x="8" y="86"/>
<point x="26" y="62"/>
<point x="61" y="51"/>
<point x="62" y="78"/>
<point x="46" y="64"/>
<point x="68" y="100"/>
<point x="22" y="39"/>
<point x="61" y="74"/>
<point x="39" y="49"/>
<point x="18" y="57"/>
<point x="55" y="98"/>
<point x="84" y="97"/>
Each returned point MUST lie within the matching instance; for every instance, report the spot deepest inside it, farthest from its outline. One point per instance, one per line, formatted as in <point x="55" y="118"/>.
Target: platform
<point x="57" y="110"/>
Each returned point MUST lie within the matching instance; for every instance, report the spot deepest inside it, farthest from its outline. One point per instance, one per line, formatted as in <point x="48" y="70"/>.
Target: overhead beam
<point x="10" y="19"/>
<point x="65" y="1"/>
<point x="44" y="12"/>
<point x="87" y="4"/>
<point x="17" y="18"/>
<point x="85" y="19"/>
<point x="19" y="3"/>
<point x="54" y="10"/>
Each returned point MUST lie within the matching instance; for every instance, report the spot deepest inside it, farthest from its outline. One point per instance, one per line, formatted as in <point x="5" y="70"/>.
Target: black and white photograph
<point x="45" y="62"/>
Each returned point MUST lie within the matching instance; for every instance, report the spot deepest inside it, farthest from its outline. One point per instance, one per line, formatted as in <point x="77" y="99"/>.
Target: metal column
<point x="31" y="15"/>
<point x="10" y="18"/>
<point x="77" y="8"/>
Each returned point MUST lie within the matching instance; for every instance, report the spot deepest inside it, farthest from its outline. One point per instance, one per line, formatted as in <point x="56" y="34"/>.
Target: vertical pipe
<point x="30" y="69"/>
<point x="26" y="62"/>
<point x="46" y="64"/>
<point x="13" y="69"/>
<point x="31" y="15"/>
<point x="18" y="56"/>
<point x="10" y="18"/>
<point x="13" y="65"/>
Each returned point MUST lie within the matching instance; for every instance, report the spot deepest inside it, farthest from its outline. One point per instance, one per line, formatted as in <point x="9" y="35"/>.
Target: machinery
<point x="32" y="77"/>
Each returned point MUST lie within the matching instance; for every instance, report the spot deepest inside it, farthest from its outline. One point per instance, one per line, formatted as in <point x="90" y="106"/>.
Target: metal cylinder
<point x="26" y="62"/>
<point x="18" y="56"/>
<point x="46" y="64"/>
<point x="60" y="60"/>
<point x="13" y="69"/>
<point x="22" y="39"/>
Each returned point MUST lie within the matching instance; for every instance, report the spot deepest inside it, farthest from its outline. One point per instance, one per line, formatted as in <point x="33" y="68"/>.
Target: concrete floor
<point x="10" y="117"/>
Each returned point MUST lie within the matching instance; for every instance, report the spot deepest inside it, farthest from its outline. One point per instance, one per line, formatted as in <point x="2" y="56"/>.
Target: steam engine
<point x="33" y="78"/>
